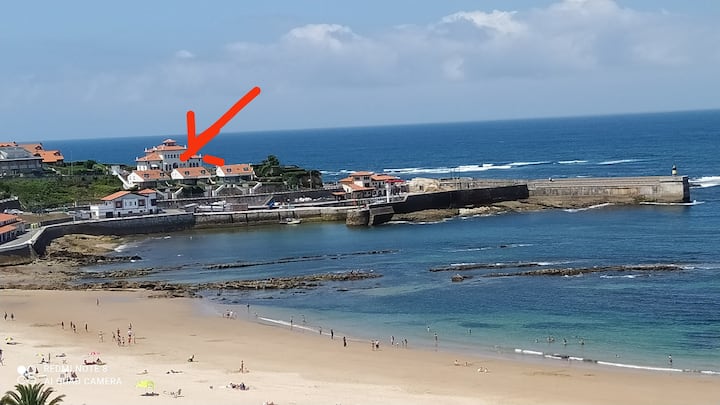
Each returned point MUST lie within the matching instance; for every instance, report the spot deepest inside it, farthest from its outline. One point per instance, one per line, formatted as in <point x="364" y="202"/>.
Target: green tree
<point x="30" y="394"/>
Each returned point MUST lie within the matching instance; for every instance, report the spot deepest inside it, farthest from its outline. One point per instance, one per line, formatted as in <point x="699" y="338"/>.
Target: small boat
<point x="291" y="221"/>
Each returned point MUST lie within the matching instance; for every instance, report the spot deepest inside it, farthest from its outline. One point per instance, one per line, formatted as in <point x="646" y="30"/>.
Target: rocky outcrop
<point x="166" y="289"/>
<point x="587" y="270"/>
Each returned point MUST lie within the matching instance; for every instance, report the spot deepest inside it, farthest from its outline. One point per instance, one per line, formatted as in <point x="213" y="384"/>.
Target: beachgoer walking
<point x="6" y="316"/>
<point x="320" y="330"/>
<point x="392" y="340"/>
<point x="332" y="334"/>
<point x="344" y="342"/>
<point x="436" y="339"/>
<point x="86" y="327"/>
<point x="62" y="324"/>
<point x="97" y="302"/>
<point x="12" y="316"/>
<point x="129" y="336"/>
<point x="242" y="366"/>
<point x="670" y="359"/>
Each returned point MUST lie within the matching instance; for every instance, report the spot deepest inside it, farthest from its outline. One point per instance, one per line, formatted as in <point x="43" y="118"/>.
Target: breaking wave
<point x="617" y="162"/>
<point x="707" y="181"/>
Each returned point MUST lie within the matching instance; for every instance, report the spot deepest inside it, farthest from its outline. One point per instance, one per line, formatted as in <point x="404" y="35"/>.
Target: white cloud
<point x="500" y="22"/>
<point x="571" y="41"/>
<point x="184" y="54"/>
<point x="332" y="36"/>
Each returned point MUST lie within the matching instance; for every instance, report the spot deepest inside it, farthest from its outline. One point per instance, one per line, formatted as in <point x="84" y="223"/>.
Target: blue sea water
<point x="632" y="317"/>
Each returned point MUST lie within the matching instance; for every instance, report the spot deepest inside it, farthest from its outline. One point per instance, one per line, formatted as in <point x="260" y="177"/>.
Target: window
<point x="141" y="203"/>
<point x="118" y="204"/>
<point x="153" y="202"/>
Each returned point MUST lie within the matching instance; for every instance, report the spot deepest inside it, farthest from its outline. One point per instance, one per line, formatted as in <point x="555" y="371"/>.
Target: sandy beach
<point x="281" y="365"/>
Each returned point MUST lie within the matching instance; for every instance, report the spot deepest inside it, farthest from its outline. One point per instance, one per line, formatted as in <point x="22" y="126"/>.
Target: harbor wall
<point x="621" y="190"/>
<point x="459" y="198"/>
<point x="269" y="216"/>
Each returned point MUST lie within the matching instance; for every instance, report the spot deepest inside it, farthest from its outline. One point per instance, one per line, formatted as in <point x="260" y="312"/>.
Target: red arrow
<point x="196" y="142"/>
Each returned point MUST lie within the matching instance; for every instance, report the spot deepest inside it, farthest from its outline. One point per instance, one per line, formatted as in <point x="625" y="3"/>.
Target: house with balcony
<point x="126" y="203"/>
<point x="364" y="184"/>
<point x="166" y="157"/>
<point x="11" y="226"/>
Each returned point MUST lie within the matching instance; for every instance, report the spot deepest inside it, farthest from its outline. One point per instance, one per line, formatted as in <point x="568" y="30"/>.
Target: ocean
<point x="622" y="318"/>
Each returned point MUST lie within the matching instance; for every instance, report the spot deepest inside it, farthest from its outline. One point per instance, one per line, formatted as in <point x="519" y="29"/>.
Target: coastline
<point x="290" y="366"/>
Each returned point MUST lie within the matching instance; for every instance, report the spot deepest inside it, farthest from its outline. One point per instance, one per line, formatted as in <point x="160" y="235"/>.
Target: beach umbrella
<point x="147" y="384"/>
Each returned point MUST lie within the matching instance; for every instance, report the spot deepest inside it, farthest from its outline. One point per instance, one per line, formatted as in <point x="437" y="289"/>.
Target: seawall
<point x="619" y="190"/>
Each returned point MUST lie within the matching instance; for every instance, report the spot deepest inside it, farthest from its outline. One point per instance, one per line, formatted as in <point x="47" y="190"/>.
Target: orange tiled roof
<point x="238" y="169"/>
<point x="150" y="175"/>
<point x="50" y="156"/>
<point x="32" y="147"/>
<point x="149" y="157"/>
<point x="7" y="144"/>
<point x="193" y="172"/>
<point x="115" y="195"/>
<point x="384" y="177"/>
<point x="8" y="217"/>
<point x="161" y="148"/>
<point x="346" y="180"/>
<point x="146" y="191"/>
<point x="7" y="228"/>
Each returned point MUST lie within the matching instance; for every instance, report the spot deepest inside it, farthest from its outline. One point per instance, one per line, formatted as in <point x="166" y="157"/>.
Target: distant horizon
<point x="181" y="138"/>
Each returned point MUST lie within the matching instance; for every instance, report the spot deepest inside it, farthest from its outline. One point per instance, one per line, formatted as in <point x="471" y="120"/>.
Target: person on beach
<point x="62" y="324"/>
<point x="12" y="316"/>
<point x="344" y="342"/>
<point x="670" y="359"/>
<point x="100" y="335"/>
<point x="97" y="302"/>
<point x="86" y="327"/>
<point x="6" y="316"/>
<point x="332" y="334"/>
<point x="1" y="358"/>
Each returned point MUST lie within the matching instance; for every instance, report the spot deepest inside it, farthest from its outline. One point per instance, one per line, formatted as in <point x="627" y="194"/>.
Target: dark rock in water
<point x="587" y="270"/>
<point x="457" y="278"/>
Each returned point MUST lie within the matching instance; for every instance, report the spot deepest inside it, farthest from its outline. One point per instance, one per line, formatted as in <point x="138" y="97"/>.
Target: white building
<point x="126" y="203"/>
<point x="368" y="184"/>
<point x="166" y="157"/>
<point x="11" y="227"/>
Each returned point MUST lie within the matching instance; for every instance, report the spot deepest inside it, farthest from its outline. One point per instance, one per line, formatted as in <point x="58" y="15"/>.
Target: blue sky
<point x="82" y="69"/>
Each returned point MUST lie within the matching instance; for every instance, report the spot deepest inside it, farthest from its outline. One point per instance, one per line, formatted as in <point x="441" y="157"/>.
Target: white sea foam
<point x="520" y="164"/>
<point x="706" y="181"/>
<point x="617" y="162"/>
<point x="634" y="366"/>
<point x="687" y="204"/>
<point x="592" y="207"/>
<point x="556" y="356"/>
<point x="572" y="162"/>
<point x="121" y="248"/>
<point x="447" y="170"/>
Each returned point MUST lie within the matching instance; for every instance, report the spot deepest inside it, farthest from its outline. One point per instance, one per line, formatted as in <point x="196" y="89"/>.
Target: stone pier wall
<point x="622" y="190"/>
